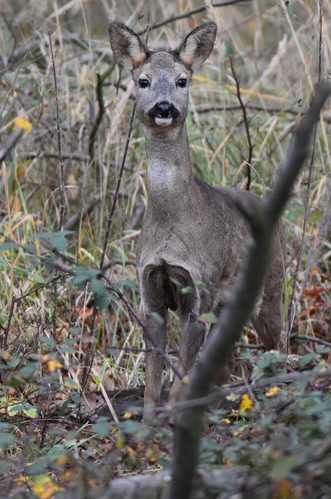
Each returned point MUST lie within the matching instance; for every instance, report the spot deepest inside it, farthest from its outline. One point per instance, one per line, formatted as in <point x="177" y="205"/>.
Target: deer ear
<point x="128" y="48"/>
<point x="197" y="46"/>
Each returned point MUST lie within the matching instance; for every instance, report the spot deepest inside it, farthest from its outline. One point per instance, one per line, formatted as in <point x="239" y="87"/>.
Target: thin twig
<point x="98" y="120"/>
<point x="55" y="155"/>
<point x="248" y="160"/>
<point x="248" y="105"/>
<point x="306" y="337"/>
<point x="59" y="138"/>
<point x="118" y="185"/>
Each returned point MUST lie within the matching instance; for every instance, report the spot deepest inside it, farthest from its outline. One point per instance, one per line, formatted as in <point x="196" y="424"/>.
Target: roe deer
<point x="190" y="233"/>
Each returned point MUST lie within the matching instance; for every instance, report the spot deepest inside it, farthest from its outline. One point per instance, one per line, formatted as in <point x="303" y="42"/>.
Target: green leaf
<point x="129" y="283"/>
<point x="102" y="429"/>
<point x="6" y="439"/>
<point x="59" y="243"/>
<point x="158" y="319"/>
<point x="306" y="359"/>
<point x="75" y="331"/>
<point x="41" y="235"/>
<point x="281" y="468"/>
<point x="28" y="409"/>
<point x="55" y="452"/>
<point x="32" y="413"/>
<point x="58" y="240"/>
<point x="100" y="290"/>
<point x="84" y="275"/>
<point x="98" y="287"/>
<point x="102" y="301"/>
<point x="7" y="246"/>
<point x="48" y="341"/>
<point x="209" y="317"/>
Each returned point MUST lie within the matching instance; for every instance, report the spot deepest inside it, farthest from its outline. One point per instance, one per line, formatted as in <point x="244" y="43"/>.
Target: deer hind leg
<point x="268" y="321"/>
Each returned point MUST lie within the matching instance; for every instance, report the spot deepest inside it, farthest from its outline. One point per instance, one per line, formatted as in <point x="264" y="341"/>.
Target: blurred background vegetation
<point x="63" y="172"/>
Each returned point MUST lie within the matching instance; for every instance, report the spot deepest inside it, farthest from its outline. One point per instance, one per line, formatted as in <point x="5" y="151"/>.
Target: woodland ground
<point x="65" y="215"/>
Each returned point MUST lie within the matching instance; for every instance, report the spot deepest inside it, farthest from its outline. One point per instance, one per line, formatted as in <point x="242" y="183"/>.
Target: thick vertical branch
<point x="263" y="221"/>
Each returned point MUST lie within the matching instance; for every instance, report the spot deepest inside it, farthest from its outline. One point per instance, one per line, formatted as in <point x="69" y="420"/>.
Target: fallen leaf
<point x="21" y="122"/>
<point x="272" y="391"/>
<point x="246" y="403"/>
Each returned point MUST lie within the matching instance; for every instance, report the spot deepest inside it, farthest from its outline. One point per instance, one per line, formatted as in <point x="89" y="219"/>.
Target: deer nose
<point x="164" y="109"/>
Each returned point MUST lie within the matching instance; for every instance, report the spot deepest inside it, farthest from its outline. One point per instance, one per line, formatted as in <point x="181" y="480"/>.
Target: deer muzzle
<point x="163" y="113"/>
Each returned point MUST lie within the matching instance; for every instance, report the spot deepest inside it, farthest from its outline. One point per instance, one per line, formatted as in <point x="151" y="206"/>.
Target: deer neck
<point x="169" y="171"/>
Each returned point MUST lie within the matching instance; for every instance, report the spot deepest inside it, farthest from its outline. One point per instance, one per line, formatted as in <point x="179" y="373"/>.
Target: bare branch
<point x="118" y="185"/>
<point x="218" y="348"/>
<point x="59" y="139"/>
<point x="248" y="160"/>
<point x="10" y="143"/>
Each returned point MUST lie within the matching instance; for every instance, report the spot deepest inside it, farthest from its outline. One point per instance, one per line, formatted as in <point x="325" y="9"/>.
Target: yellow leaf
<point x="62" y="460"/>
<point x="284" y="490"/>
<point x="120" y="441"/>
<point x="21" y="168"/>
<point x="22" y="479"/>
<point x="53" y="364"/>
<point x="15" y="204"/>
<point x="226" y="420"/>
<point x="152" y="455"/>
<point x="272" y="391"/>
<point x="44" y="487"/>
<point x="246" y="403"/>
<point x="70" y="383"/>
<point x="128" y="415"/>
<point x="323" y="365"/>
<point x="20" y="122"/>
<point x="239" y="432"/>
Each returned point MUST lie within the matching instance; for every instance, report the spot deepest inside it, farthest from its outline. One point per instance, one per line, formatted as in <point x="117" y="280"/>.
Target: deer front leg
<point x="193" y="335"/>
<point x="155" y="335"/>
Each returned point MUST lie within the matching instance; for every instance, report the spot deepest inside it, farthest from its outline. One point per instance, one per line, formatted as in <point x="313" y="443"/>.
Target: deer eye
<point x="182" y="82"/>
<point x="143" y="83"/>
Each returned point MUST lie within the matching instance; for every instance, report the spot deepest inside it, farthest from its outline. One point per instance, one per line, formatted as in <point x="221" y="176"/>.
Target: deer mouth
<point x="163" y="121"/>
<point x="163" y="113"/>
